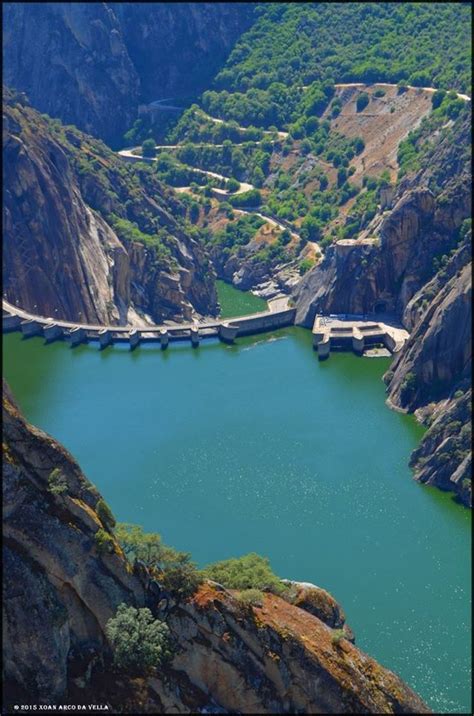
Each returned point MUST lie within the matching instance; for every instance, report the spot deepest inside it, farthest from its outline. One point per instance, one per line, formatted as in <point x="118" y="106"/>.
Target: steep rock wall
<point x="402" y="275"/>
<point x="91" y="64"/>
<point x="63" y="257"/>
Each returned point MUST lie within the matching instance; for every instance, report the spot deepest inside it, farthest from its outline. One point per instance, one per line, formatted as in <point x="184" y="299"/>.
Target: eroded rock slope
<point x="89" y="238"/>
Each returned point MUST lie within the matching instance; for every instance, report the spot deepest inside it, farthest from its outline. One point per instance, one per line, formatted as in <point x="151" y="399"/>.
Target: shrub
<point x="57" y="483"/>
<point x="232" y="185"/>
<point x="247" y="198"/>
<point x="408" y="386"/>
<point x="149" y="148"/>
<point x="105" y="514"/>
<point x="180" y="575"/>
<point x="305" y="265"/>
<point x="337" y="636"/>
<point x="305" y="146"/>
<point x="359" y="145"/>
<point x="362" y="101"/>
<point x="254" y="597"/>
<point x="194" y="212"/>
<point x="139" y="642"/>
<point x="402" y="87"/>
<point x="285" y="237"/>
<point x="248" y="572"/>
<point x="103" y="542"/>
<point x="458" y="394"/>
<point x="437" y="98"/>
<point x="379" y="93"/>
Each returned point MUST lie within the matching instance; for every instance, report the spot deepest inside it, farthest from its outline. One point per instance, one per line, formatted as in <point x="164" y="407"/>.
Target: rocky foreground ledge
<point x="60" y="591"/>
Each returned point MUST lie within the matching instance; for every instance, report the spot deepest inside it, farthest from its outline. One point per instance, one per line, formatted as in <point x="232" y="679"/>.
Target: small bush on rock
<point x="139" y="642"/>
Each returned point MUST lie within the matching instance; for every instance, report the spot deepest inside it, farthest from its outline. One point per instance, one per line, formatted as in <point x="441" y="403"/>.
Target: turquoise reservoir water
<point x="259" y="447"/>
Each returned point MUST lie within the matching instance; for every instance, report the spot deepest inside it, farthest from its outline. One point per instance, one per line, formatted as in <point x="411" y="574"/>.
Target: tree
<point x="341" y="176"/>
<point x="323" y="182"/>
<point x="358" y="145"/>
<point x="258" y="177"/>
<point x="251" y="198"/>
<point x="248" y="572"/>
<point x="310" y="228"/>
<point x="179" y="574"/>
<point x="362" y="101"/>
<point x="144" y="546"/>
<point x="285" y="237"/>
<point x="305" y="146"/>
<point x="139" y="642"/>
<point x="105" y="514"/>
<point x="194" y="212"/>
<point x="57" y="483"/>
<point x="232" y="185"/>
<point x="149" y="148"/>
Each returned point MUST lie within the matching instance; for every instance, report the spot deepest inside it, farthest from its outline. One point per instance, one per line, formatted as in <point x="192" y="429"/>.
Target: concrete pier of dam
<point x="356" y="333"/>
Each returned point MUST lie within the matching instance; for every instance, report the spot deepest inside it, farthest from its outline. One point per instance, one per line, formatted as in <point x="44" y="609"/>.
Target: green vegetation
<point x="248" y="572"/>
<point x="305" y="265"/>
<point x="105" y="514"/>
<point x="129" y="231"/>
<point x="251" y="199"/>
<point x="139" y="642"/>
<point x="104" y="542"/>
<point x="242" y="161"/>
<point x="236" y="233"/>
<point x="178" y="574"/>
<point x="298" y="43"/>
<point x="362" y="101"/>
<point x="263" y="108"/>
<point x="337" y="636"/>
<point x="233" y="185"/>
<point x="252" y="597"/>
<point x="417" y="147"/>
<point x="195" y="126"/>
<point x="149" y="148"/>
<point x="57" y="483"/>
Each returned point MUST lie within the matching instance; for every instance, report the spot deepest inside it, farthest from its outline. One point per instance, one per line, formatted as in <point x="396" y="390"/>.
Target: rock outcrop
<point x="444" y="456"/>
<point x="59" y="590"/>
<point x="61" y="585"/>
<point x="90" y="238"/>
<point x="420" y="272"/>
<point x="429" y="208"/>
<point x="92" y="64"/>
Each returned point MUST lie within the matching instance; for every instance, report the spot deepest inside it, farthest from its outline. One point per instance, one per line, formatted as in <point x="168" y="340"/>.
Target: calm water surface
<point x="237" y="303"/>
<point x="259" y="447"/>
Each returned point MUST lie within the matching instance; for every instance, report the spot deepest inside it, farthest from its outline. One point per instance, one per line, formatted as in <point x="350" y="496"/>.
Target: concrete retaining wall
<point x="249" y="326"/>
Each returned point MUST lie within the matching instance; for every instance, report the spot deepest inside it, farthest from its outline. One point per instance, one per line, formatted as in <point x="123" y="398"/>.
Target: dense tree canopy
<point x="297" y="43"/>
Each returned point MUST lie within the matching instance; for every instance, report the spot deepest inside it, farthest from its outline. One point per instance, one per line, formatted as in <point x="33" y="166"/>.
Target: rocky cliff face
<point x="92" y="64"/>
<point x="421" y="272"/>
<point x="60" y="589"/>
<point x="89" y="238"/>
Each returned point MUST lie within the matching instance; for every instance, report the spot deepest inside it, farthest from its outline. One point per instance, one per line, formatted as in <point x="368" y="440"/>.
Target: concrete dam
<point x="278" y="315"/>
<point x="356" y="333"/>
